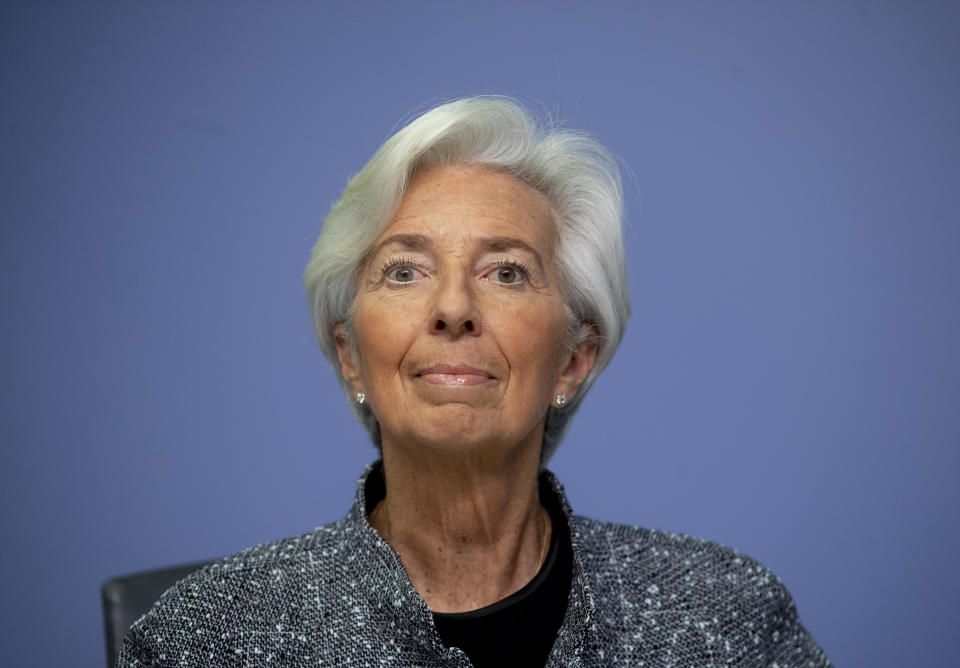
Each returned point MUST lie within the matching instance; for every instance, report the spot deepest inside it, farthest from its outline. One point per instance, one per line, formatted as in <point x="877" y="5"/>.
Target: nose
<point x="455" y="311"/>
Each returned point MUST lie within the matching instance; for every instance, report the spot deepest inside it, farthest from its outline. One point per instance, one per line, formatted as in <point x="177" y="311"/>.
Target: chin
<point x="460" y="434"/>
<point x="462" y="428"/>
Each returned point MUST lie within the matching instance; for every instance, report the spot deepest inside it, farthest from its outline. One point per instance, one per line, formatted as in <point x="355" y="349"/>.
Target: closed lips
<point x="454" y="375"/>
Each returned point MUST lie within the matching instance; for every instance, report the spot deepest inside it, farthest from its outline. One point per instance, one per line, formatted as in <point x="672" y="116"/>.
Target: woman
<point x="468" y="287"/>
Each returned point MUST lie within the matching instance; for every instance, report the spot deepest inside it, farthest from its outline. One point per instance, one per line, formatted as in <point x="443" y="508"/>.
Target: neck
<point x="469" y="528"/>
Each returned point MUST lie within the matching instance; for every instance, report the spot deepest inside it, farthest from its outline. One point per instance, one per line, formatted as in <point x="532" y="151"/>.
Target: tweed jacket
<point x="339" y="595"/>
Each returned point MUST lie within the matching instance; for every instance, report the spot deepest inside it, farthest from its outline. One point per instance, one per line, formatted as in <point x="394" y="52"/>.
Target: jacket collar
<point x="385" y="581"/>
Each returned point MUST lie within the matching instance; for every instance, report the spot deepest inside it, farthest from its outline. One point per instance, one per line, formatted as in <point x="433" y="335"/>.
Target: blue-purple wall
<point x="789" y="384"/>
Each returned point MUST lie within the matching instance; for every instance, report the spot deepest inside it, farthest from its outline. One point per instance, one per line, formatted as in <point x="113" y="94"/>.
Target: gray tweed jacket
<point x="339" y="595"/>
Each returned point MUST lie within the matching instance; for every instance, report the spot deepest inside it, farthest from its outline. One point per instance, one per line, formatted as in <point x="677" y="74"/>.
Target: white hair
<point x="579" y="178"/>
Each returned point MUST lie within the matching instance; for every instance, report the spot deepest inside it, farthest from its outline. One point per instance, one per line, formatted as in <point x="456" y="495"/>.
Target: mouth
<point x="454" y="375"/>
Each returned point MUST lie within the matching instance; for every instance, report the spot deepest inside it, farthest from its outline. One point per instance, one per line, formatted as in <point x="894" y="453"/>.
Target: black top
<point x="520" y="629"/>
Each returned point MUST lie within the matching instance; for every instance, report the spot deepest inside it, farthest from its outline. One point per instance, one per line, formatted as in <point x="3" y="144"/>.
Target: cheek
<point x="537" y="338"/>
<point x="383" y="333"/>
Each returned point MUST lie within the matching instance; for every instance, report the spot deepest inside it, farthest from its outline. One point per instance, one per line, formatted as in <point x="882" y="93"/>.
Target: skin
<point x="460" y="348"/>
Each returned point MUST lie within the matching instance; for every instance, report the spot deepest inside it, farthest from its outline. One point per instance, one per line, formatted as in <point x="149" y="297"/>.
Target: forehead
<point x="456" y="202"/>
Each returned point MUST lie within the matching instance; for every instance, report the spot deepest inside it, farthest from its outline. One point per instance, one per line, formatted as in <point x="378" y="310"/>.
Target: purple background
<point x="789" y="384"/>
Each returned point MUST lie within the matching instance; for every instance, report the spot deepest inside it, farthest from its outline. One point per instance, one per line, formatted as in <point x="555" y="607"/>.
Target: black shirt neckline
<point x="521" y="628"/>
<point x="528" y="590"/>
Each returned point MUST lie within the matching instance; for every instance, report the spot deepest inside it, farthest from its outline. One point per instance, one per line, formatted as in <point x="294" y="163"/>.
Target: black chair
<point x="127" y="597"/>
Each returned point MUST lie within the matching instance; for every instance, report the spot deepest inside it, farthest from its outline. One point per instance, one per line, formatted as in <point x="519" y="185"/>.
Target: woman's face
<point x="459" y="320"/>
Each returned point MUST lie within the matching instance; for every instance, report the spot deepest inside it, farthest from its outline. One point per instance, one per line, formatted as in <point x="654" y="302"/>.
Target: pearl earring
<point x="361" y="397"/>
<point x="561" y="399"/>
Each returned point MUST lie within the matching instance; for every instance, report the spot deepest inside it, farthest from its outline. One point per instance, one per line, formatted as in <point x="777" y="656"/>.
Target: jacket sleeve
<point x="791" y="645"/>
<point x="137" y="651"/>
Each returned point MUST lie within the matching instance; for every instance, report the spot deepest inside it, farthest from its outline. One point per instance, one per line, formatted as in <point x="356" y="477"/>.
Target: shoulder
<point x="275" y="566"/>
<point x="662" y="556"/>
<point x="254" y="592"/>
<point x="666" y="565"/>
<point x="688" y="596"/>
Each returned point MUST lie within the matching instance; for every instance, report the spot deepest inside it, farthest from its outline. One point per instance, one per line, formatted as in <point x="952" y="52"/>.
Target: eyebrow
<point x="419" y="242"/>
<point x="415" y="242"/>
<point x="510" y="243"/>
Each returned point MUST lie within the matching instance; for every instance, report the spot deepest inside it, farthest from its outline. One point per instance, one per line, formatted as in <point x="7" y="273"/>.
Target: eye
<point x="400" y="271"/>
<point x="507" y="275"/>
<point x="401" y="274"/>
<point x="509" y="272"/>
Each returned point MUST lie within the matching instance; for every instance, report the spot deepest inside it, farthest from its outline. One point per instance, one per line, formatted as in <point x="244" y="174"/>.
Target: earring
<point x="361" y="397"/>
<point x="561" y="399"/>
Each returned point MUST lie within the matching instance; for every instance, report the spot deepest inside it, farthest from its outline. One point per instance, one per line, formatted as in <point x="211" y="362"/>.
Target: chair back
<point x="126" y="598"/>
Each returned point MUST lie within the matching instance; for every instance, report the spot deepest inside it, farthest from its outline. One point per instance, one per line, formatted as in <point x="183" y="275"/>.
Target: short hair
<point x="579" y="178"/>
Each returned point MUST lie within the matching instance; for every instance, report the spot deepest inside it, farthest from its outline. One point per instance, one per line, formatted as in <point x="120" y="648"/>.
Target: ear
<point x="348" y="365"/>
<point x="579" y="366"/>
